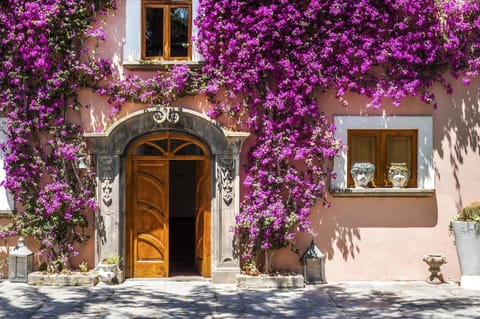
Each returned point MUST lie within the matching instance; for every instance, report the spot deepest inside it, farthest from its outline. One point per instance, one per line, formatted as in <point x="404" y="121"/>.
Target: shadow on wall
<point x="338" y="227"/>
<point x="457" y="128"/>
<point x="333" y="232"/>
<point x="333" y="235"/>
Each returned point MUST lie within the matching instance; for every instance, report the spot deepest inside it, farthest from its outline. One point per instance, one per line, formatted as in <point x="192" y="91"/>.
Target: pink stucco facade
<point x="374" y="238"/>
<point x="364" y="238"/>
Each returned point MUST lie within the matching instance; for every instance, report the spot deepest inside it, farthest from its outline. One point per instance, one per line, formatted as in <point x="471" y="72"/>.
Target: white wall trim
<point x="133" y="18"/>
<point x="424" y="124"/>
<point x="6" y="201"/>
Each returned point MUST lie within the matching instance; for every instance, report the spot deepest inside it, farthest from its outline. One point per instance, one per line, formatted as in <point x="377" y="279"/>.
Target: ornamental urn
<point x="362" y="174"/>
<point x="398" y="175"/>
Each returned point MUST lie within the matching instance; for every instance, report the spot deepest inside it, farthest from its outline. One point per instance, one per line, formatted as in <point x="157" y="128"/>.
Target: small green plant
<point x="112" y="260"/>
<point x="83" y="267"/>
<point x="250" y="268"/>
<point x="469" y="213"/>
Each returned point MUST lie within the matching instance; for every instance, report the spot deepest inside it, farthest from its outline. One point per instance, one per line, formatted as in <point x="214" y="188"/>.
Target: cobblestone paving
<point x="201" y="299"/>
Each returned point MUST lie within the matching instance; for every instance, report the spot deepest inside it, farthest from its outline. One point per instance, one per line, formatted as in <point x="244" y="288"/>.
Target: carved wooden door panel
<point x="202" y="219"/>
<point x="149" y="220"/>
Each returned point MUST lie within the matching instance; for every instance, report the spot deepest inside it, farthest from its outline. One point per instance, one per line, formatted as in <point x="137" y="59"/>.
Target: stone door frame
<point x="110" y="149"/>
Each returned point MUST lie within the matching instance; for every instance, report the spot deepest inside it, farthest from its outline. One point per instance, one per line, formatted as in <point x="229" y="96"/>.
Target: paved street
<point x="201" y="299"/>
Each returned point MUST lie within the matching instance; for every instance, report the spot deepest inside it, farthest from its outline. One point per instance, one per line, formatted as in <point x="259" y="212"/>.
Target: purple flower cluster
<point x="277" y="55"/>
<point x="42" y="64"/>
<point x="161" y="89"/>
<point x="391" y="49"/>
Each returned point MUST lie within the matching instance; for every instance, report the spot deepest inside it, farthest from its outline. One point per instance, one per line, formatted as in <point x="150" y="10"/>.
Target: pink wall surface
<point x="363" y="238"/>
<point x="386" y="238"/>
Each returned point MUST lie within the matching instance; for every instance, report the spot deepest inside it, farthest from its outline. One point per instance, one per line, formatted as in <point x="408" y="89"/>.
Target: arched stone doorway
<point x="111" y="150"/>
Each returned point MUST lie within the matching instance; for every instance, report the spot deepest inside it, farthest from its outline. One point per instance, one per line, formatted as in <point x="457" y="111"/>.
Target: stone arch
<point x="109" y="148"/>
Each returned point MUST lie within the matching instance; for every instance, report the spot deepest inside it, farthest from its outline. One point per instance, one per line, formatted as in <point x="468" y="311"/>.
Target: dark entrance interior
<point x="182" y="218"/>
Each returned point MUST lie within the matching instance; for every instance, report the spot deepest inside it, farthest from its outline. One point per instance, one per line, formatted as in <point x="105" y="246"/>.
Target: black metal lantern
<point x="314" y="265"/>
<point x="20" y="262"/>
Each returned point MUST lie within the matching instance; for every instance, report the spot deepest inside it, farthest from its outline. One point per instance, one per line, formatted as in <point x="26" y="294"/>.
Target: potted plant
<point x="110" y="271"/>
<point x="466" y="230"/>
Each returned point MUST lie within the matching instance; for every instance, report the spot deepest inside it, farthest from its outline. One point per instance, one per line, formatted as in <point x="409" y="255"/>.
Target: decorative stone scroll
<point x="226" y="173"/>
<point x="106" y="167"/>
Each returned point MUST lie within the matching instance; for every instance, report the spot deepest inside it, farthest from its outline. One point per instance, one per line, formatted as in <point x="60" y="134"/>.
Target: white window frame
<point x="132" y="49"/>
<point x="6" y="201"/>
<point x="424" y="125"/>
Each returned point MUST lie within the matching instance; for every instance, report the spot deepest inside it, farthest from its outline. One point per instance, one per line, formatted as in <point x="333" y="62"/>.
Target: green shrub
<point x="112" y="260"/>
<point x="470" y="213"/>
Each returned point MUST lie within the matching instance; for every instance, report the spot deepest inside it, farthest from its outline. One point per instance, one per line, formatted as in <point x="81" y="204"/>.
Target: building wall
<point x="386" y="238"/>
<point x="366" y="238"/>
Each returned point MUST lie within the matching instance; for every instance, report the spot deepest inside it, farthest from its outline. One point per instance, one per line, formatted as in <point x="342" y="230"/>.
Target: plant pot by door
<point x="467" y="241"/>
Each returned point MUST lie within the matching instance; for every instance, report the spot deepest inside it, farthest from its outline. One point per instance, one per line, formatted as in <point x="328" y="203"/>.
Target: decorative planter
<point x="467" y="241"/>
<point x="398" y="175"/>
<point x="270" y="281"/>
<point x="110" y="273"/>
<point x="39" y="278"/>
<point x="362" y="174"/>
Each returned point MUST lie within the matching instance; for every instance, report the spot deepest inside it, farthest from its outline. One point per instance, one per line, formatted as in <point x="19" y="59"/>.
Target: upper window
<point x="384" y="149"/>
<point x="160" y="32"/>
<point x="166" y="30"/>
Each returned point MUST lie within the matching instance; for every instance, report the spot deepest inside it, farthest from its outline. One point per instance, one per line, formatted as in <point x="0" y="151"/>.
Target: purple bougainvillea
<point x="272" y="57"/>
<point x="43" y="61"/>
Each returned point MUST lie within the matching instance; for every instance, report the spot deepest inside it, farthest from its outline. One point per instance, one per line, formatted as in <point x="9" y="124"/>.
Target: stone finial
<point x="434" y="262"/>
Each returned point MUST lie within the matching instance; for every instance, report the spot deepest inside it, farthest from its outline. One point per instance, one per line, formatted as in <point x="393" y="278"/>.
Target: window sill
<point x="382" y="192"/>
<point x="160" y="65"/>
<point x="5" y="213"/>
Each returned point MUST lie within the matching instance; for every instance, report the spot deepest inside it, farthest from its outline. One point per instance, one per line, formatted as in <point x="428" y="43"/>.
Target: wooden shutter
<point x="383" y="147"/>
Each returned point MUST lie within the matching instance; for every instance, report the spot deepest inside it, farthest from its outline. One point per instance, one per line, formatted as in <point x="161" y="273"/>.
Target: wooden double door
<point x="168" y="180"/>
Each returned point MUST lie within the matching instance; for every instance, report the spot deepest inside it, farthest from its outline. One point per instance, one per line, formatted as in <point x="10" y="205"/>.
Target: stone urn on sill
<point x="362" y="174"/>
<point x="398" y="175"/>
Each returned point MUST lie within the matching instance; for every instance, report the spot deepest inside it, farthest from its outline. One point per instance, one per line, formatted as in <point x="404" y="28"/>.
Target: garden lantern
<point x="313" y="265"/>
<point x="20" y="262"/>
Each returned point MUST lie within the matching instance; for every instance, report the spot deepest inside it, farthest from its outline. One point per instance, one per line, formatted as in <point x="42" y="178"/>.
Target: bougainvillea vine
<point x="160" y="90"/>
<point x="44" y="61"/>
<point x="274" y="57"/>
